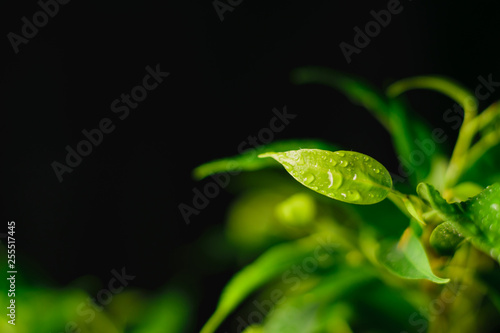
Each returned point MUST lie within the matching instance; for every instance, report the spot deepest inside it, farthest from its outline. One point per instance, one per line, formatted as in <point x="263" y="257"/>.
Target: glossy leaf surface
<point x="445" y="238"/>
<point x="478" y="219"/>
<point x="342" y="175"/>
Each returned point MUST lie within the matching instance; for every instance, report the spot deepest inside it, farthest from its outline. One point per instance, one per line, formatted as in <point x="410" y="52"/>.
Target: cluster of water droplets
<point x="485" y="212"/>
<point x="290" y="160"/>
<point x="340" y="175"/>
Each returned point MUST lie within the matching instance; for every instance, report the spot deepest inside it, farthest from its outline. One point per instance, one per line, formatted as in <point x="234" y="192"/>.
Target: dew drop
<point x="344" y="163"/>
<point x="353" y="195"/>
<point x="495" y="206"/>
<point x="308" y="178"/>
<point x="335" y="179"/>
<point x="366" y="158"/>
<point x="376" y="170"/>
<point x="341" y="154"/>
<point x="287" y="165"/>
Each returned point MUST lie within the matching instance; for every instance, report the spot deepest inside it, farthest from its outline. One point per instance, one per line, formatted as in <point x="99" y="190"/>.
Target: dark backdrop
<point x="119" y="207"/>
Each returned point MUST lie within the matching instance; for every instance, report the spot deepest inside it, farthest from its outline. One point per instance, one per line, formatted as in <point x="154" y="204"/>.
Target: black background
<point x="120" y="206"/>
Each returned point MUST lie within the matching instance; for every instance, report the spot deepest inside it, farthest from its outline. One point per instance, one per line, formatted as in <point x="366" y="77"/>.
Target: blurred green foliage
<point x="71" y="309"/>
<point x="423" y="260"/>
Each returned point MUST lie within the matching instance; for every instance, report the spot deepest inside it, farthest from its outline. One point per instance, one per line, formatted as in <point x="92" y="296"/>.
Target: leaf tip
<point x="439" y="280"/>
<point x="268" y="154"/>
<point x="198" y="173"/>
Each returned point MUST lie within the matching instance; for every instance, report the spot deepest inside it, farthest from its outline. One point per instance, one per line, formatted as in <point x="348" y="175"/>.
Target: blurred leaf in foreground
<point x="407" y="258"/>
<point x="273" y="262"/>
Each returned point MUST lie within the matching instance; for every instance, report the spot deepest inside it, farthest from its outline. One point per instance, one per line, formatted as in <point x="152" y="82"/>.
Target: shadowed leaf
<point x="407" y="259"/>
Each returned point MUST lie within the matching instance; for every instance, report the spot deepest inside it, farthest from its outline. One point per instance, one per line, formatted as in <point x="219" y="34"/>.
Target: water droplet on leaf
<point x="345" y="175"/>
<point x="335" y="179"/>
<point x="353" y="195"/>
<point x="308" y="178"/>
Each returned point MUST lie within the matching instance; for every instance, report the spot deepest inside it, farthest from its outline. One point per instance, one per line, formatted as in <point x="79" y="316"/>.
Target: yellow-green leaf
<point x="342" y="175"/>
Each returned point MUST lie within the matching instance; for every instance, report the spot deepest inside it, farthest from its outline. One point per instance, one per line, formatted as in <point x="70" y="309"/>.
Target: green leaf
<point x="484" y="211"/>
<point x="293" y="318"/>
<point x="412" y="205"/>
<point x="450" y="212"/>
<point x="445" y="238"/>
<point x="248" y="160"/>
<point x="305" y="312"/>
<point x="268" y="266"/>
<point x="433" y="198"/>
<point x="409" y="132"/>
<point x="407" y="259"/>
<point x="342" y="175"/>
<point x="478" y="219"/>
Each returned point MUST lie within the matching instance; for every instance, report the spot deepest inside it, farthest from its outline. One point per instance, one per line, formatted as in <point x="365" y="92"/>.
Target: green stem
<point x="405" y="203"/>
<point x="484" y="144"/>
<point x="397" y="200"/>
<point x="436" y="83"/>
<point x="486" y="117"/>
<point x="465" y="99"/>
<point x="467" y="156"/>
<point x="458" y="157"/>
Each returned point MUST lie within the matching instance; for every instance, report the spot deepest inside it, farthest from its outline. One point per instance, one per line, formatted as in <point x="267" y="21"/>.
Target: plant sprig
<point x="434" y="229"/>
